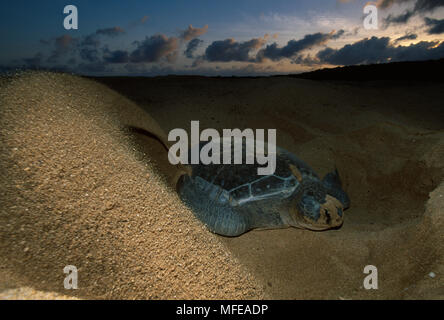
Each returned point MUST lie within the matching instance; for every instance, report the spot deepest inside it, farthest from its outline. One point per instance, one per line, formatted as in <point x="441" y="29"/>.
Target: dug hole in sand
<point x="78" y="188"/>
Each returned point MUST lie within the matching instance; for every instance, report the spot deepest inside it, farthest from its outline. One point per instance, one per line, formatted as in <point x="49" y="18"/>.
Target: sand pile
<point x="387" y="141"/>
<point x="74" y="191"/>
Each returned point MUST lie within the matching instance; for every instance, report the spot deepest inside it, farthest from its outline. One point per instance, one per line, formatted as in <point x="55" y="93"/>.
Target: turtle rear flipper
<point x="219" y="218"/>
<point x="332" y="182"/>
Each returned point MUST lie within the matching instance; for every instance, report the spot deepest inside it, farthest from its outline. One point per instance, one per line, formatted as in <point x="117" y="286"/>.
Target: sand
<point x="77" y="188"/>
<point x="74" y="193"/>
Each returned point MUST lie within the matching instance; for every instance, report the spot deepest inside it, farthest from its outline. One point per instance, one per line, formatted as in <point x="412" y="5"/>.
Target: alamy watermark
<point x="71" y="21"/>
<point x="371" y="281"/>
<point x="371" y="19"/>
<point x="211" y="153"/>
<point x="70" y="281"/>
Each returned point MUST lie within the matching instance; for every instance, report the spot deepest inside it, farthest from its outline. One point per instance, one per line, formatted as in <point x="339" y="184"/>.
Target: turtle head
<point x="313" y="208"/>
<point x="315" y="213"/>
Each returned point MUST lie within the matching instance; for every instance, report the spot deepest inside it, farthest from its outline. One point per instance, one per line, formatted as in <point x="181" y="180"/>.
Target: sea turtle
<point x="231" y="199"/>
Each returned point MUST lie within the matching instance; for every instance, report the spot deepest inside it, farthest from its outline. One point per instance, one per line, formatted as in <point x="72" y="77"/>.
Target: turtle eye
<point x="327" y="215"/>
<point x="340" y="212"/>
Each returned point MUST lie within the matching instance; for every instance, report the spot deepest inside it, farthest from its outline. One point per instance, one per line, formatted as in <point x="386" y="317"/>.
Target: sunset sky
<point x="243" y="37"/>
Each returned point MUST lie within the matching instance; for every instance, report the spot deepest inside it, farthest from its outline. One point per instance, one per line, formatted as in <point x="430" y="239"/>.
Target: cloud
<point x="424" y="50"/>
<point x="138" y="22"/>
<point x="337" y="35"/>
<point x="379" y="50"/>
<point x="382" y="4"/>
<point x="144" y="19"/>
<point x="192" y="47"/>
<point x="427" y="5"/>
<point x="192" y="33"/>
<point x="116" y="56"/>
<point x="231" y="50"/>
<point x="397" y="19"/>
<point x="385" y="4"/>
<point x="89" y="54"/>
<point x="293" y="47"/>
<point x="62" y="45"/>
<point x="111" y="32"/>
<point x="64" y="42"/>
<point x="155" y="48"/>
<point x="420" y="7"/>
<point x="86" y="46"/>
<point x="90" y="40"/>
<point x="410" y="36"/>
<point x="436" y="26"/>
<point x="365" y="51"/>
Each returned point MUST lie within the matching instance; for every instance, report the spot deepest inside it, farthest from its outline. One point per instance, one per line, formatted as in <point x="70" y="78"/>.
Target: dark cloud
<point x="427" y="5"/>
<point x="191" y="32"/>
<point x="191" y="47"/>
<point x="305" y="60"/>
<point x="337" y="35"/>
<point x="89" y="54"/>
<point x="397" y="19"/>
<point x="90" y="40"/>
<point x="116" y="56"/>
<point x="139" y="22"/>
<point x="424" y="50"/>
<point x="436" y="26"/>
<point x="410" y="36"/>
<point x="231" y="50"/>
<point x="384" y="4"/>
<point x="294" y="47"/>
<point x="86" y="46"/>
<point x="93" y="40"/>
<point x="64" y="42"/>
<point x="420" y="7"/>
<point x="62" y="45"/>
<point x="111" y="32"/>
<point x="365" y="51"/>
<point x="154" y="48"/>
<point x="379" y="50"/>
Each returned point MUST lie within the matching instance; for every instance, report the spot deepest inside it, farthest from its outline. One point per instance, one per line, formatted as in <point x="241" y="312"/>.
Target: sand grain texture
<point x="74" y="192"/>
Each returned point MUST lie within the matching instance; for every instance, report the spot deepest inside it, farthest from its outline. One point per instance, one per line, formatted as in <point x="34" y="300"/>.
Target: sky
<point x="196" y="37"/>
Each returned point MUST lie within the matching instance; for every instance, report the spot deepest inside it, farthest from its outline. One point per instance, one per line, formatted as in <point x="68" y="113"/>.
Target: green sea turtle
<point x="231" y="199"/>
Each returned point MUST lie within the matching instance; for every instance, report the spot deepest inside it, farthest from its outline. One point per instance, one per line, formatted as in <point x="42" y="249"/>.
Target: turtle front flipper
<point x="220" y="218"/>
<point x="333" y="185"/>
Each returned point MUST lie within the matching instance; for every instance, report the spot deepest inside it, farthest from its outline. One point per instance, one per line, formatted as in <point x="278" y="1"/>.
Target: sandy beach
<point x="78" y="188"/>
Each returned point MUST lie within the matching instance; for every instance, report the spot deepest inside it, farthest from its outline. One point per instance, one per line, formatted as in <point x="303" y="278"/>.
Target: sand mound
<point x="75" y="192"/>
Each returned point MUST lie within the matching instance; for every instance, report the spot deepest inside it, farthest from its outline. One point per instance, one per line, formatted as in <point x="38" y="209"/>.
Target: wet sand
<point x="78" y="188"/>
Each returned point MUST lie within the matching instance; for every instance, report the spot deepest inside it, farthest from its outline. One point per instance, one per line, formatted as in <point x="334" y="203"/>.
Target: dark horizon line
<point x="377" y="71"/>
